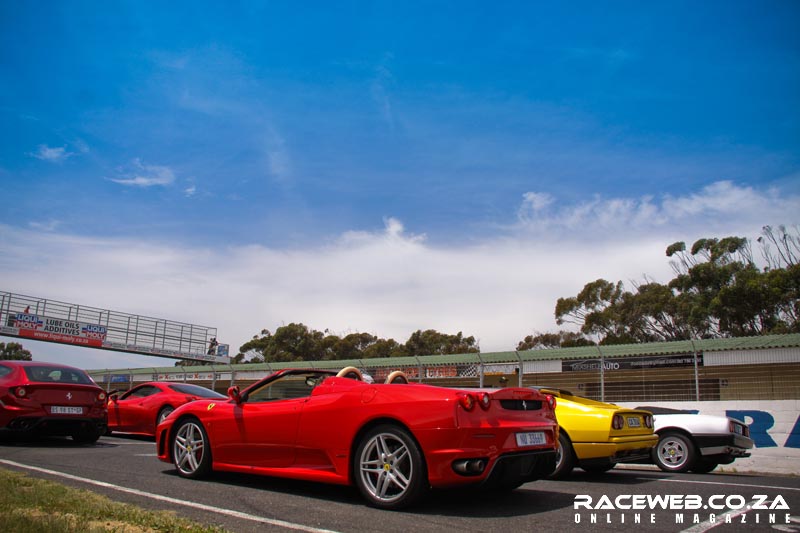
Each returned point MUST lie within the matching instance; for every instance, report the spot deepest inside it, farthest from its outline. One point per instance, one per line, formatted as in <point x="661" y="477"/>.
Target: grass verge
<point x="31" y="505"/>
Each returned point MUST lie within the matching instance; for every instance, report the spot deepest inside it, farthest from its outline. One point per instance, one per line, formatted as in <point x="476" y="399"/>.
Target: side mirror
<point x="114" y="396"/>
<point x="233" y="394"/>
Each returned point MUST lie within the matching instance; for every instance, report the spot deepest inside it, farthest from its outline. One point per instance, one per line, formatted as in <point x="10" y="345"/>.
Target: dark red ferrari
<point x="50" y="399"/>
<point x="393" y="440"/>
<point x="140" y="409"/>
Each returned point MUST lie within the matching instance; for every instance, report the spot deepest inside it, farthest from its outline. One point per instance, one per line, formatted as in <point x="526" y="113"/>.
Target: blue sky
<point x="383" y="166"/>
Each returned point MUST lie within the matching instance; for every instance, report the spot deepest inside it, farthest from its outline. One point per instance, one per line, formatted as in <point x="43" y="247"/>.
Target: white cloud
<point x="146" y="176"/>
<point x="279" y="163"/>
<point x="49" y="225"/>
<point x="53" y="155"/>
<point x="721" y="206"/>
<point x="387" y="282"/>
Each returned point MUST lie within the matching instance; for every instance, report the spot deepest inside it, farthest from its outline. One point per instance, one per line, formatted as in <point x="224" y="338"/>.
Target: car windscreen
<point x="195" y="390"/>
<point x="57" y="374"/>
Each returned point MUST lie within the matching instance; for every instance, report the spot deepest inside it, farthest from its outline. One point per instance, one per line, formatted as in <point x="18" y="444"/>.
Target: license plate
<point x="61" y="410"/>
<point x="534" y="438"/>
<point x="633" y="422"/>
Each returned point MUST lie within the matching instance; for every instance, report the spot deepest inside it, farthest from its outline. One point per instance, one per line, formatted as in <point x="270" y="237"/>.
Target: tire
<point x="675" y="452"/>
<point x="704" y="466"/>
<point x="164" y="413"/>
<point x="86" y="436"/>
<point x="389" y="469"/>
<point x="597" y="469"/>
<point x="565" y="457"/>
<point x="191" y="452"/>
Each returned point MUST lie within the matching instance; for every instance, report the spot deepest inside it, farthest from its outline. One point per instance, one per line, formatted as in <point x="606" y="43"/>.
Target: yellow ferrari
<point x="596" y="436"/>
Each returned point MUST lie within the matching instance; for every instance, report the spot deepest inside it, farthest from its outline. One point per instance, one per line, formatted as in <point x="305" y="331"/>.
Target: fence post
<point x="520" y="367"/>
<point x="602" y="375"/>
<point x="480" y="370"/>
<point x="696" y="372"/>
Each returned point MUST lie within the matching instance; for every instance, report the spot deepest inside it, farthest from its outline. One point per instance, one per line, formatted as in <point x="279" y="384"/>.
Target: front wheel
<point x="191" y="453"/>
<point x="389" y="468"/>
<point x="675" y="452"/>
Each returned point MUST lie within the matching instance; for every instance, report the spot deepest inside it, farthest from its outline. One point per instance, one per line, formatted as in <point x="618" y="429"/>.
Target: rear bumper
<point x="497" y="447"/>
<point x="515" y="468"/>
<point x="616" y="450"/>
<point x="731" y="445"/>
<point x="54" y="426"/>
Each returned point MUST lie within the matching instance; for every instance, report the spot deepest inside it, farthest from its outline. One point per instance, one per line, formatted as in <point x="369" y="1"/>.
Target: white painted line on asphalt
<point x="120" y="442"/>
<point x="719" y="520"/>
<point x="689" y="481"/>
<point x="195" y="505"/>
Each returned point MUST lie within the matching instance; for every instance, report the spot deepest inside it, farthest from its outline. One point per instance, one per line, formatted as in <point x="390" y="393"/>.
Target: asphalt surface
<point x="126" y="469"/>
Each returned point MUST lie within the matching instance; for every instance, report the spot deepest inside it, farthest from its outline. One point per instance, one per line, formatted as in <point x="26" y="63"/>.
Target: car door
<point x="131" y="411"/>
<point x="262" y="430"/>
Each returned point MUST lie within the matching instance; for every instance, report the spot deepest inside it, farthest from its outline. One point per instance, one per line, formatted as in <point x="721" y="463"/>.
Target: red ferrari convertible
<point x="140" y="409"/>
<point x="393" y="440"/>
<point x="50" y="399"/>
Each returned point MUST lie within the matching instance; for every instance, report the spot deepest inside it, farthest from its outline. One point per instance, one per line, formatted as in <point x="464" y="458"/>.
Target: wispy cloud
<point x="146" y="176"/>
<point x="720" y="205"/>
<point x="52" y="154"/>
<point x="49" y="225"/>
<point x="379" y="88"/>
<point x="279" y="162"/>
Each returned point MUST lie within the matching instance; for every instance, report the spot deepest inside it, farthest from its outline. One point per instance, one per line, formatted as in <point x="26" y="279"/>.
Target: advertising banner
<point x="632" y="363"/>
<point x="59" y="330"/>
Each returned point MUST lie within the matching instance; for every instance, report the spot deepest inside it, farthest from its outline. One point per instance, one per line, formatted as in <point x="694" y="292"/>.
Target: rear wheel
<point x="675" y="452"/>
<point x="704" y="466"/>
<point x="86" y="436"/>
<point x="191" y="453"/>
<point x="598" y="469"/>
<point x="565" y="457"/>
<point x="389" y="469"/>
<point x="164" y="413"/>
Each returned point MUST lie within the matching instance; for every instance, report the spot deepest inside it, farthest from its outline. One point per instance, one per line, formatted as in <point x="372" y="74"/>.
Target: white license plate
<point x="61" y="410"/>
<point x="633" y="422"/>
<point x="534" y="438"/>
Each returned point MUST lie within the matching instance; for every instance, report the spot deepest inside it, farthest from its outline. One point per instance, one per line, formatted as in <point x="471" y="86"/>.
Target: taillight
<point x="617" y="422"/>
<point x="20" y="392"/>
<point x="648" y="421"/>
<point x="551" y="401"/>
<point x="484" y="400"/>
<point x="467" y="401"/>
<point x="101" y="397"/>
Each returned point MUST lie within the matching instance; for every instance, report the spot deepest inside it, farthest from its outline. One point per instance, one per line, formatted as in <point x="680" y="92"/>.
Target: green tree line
<point x="298" y="342"/>
<point x="719" y="290"/>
